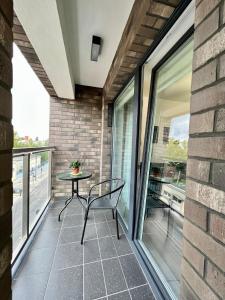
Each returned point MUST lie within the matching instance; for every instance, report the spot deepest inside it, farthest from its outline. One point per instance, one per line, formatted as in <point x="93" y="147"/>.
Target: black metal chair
<point x="107" y="200"/>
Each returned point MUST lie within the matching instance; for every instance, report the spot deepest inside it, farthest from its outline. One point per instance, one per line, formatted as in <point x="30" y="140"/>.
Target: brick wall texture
<point x="6" y="143"/>
<point x="106" y="142"/>
<point x="203" y="266"/>
<point x="79" y="131"/>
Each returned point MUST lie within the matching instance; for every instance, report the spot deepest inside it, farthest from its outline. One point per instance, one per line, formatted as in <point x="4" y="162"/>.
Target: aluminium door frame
<point x="130" y="225"/>
<point x="186" y="7"/>
<point x="147" y="141"/>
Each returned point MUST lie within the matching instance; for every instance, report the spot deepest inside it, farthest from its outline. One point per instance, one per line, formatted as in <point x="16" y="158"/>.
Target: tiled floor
<point x="57" y="266"/>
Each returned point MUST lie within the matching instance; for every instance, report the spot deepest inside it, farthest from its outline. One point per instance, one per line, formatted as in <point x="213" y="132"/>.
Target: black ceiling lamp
<point x="95" y="47"/>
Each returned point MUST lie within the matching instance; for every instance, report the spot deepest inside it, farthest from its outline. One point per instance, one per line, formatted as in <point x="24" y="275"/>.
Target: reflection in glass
<point x="122" y="145"/>
<point x="146" y="75"/>
<point x="161" y="219"/>
<point x="39" y="185"/>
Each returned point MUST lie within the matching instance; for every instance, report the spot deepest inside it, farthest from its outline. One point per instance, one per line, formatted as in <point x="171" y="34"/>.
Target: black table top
<point x="70" y="176"/>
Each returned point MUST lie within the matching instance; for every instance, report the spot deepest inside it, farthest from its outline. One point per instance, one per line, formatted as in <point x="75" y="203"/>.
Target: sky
<point x="30" y="100"/>
<point x="179" y="127"/>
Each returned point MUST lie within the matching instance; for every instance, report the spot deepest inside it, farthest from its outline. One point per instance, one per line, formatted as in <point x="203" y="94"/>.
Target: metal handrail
<point x="30" y="150"/>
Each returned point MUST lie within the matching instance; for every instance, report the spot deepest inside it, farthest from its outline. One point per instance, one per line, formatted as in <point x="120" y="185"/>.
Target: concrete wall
<point x="6" y="18"/>
<point x="203" y="266"/>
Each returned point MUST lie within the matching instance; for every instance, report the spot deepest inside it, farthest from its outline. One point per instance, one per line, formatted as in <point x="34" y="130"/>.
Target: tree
<point x="177" y="150"/>
<point x="20" y="142"/>
<point x="17" y="143"/>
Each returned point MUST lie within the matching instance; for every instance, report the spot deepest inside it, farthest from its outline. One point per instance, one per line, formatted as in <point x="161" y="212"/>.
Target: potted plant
<point x="75" y="166"/>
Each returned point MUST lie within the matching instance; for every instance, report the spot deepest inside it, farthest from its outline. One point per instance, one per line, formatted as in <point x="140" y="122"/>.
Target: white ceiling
<point x="84" y="18"/>
<point x="61" y="33"/>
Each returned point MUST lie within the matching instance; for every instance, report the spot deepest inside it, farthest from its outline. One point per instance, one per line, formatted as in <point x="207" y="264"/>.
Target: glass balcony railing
<point x="31" y="191"/>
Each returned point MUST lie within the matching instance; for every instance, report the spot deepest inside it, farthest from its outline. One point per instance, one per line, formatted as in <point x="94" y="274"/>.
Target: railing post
<point x="50" y="174"/>
<point x="26" y="195"/>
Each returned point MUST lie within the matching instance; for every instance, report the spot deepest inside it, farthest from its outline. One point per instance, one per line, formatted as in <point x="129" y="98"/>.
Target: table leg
<point x="67" y="200"/>
<point x="77" y="193"/>
<point x="67" y="203"/>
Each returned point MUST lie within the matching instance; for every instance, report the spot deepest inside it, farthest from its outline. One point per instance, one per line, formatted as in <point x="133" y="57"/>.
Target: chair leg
<point x="85" y="223"/>
<point x="117" y="225"/>
<point x="113" y="214"/>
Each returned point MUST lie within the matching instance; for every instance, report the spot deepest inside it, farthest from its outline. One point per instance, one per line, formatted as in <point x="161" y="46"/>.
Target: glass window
<point x="39" y="185"/>
<point x="162" y="202"/>
<point x="122" y="145"/>
<point x="19" y="223"/>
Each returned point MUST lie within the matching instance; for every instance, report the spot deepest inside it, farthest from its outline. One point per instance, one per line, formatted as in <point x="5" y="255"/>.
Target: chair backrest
<point x="117" y="185"/>
<point x="113" y="188"/>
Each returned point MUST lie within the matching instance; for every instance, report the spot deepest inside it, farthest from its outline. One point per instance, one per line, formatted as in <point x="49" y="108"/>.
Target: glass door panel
<point x="122" y="145"/>
<point x="39" y="185"/>
<point x="163" y="190"/>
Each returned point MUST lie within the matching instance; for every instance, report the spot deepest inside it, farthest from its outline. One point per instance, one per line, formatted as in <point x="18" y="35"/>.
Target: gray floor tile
<point x="142" y="293"/>
<point x="102" y="229"/>
<point x="108" y="215"/>
<point x="73" y="220"/>
<point x="132" y="271"/>
<point x="36" y="261"/>
<point x="50" y="224"/>
<point x="99" y="216"/>
<point x="107" y="248"/>
<point x="74" y="210"/>
<point x="91" y="218"/>
<point x="90" y="232"/>
<point x="59" y="204"/>
<point x="30" y="287"/>
<point x="112" y="227"/>
<point x="114" y="278"/>
<point x="120" y="296"/>
<point x="45" y="239"/>
<point x="93" y="281"/>
<point x="68" y="255"/>
<point x="65" y="284"/>
<point x="70" y="235"/>
<point x="66" y="277"/>
<point x="122" y="245"/>
<point x="91" y="251"/>
<point x="53" y="213"/>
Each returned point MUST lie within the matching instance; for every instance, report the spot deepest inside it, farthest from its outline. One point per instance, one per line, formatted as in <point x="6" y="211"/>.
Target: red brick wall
<point x="75" y="131"/>
<point x="106" y="142"/>
<point x="203" y="266"/>
<point x="6" y="16"/>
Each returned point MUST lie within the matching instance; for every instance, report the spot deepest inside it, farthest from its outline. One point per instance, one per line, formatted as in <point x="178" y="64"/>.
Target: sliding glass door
<point x="122" y="145"/>
<point x="164" y="177"/>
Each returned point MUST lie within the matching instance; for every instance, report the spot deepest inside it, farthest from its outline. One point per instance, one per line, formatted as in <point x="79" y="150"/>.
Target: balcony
<point x="55" y="265"/>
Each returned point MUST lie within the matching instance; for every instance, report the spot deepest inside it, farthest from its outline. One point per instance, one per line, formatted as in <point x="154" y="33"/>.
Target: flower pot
<point x="75" y="171"/>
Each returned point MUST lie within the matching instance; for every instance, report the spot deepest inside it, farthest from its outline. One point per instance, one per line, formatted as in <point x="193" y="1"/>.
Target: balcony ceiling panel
<point x="84" y="18"/>
<point x="60" y="33"/>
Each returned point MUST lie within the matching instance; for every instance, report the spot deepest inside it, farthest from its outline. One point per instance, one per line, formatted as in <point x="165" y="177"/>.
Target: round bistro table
<point x="75" y="191"/>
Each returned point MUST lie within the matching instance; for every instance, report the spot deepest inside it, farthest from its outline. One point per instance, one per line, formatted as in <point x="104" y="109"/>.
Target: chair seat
<point x="104" y="203"/>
